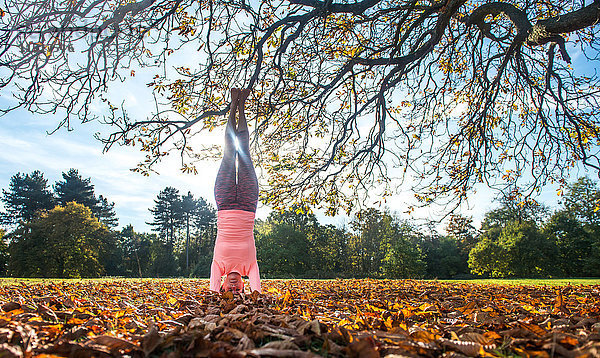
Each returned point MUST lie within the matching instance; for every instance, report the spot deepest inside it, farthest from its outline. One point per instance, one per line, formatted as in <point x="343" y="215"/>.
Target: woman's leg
<point x="247" y="183"/>
<point x="225" y="184"/>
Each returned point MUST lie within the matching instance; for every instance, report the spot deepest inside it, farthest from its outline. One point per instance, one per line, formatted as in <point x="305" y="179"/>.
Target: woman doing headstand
<point x="236" y="194"/>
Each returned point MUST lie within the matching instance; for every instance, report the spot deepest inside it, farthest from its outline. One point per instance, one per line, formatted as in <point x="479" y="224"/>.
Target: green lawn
<point x="520" y="281"/>
<point x="13" y="281"/>
<point x="537" y="281"/>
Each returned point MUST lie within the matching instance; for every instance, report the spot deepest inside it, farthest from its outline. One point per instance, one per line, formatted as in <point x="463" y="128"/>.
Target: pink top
<point x="234" y="249"/>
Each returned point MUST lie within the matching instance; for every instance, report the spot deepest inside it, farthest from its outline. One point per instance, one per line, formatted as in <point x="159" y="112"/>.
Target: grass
<point x="520" y="281"/>
<point x="18" y="280"/>
<point x="532" y="281"/>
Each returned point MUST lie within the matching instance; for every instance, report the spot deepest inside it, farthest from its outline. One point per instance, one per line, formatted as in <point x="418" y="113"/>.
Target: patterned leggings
<point x="243" y="193"/>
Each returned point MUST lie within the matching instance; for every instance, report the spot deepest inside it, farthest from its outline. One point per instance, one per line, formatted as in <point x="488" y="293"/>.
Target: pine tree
<point x="27" y="195"/>
<point x="105" y="212"/>
<point x="80" y="190"/>
<point x="196" y="214"/>
<point x="3" y="253"/>
<point x="75" y="188"/>
<point x="167" y="213"/>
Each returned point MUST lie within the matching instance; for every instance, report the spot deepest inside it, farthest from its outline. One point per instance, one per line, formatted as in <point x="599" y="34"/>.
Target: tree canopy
<point x="66" y="241"/>
<point x="27" y="194"/>
<point x="346" y="93"/>
<point x="75" y="188"/>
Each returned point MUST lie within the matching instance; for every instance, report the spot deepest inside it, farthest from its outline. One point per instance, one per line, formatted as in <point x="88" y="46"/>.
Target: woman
<point x="236" y="193"/>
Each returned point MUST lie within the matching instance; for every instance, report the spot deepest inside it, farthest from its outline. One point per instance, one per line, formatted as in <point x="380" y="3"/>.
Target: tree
<point x="105" y="212"/>
<point x="184" y="224"/>
<point x="512" y="210"/>
<point x="519" y="249"/>
<point x="167" y="220"/>
<point x="385" y="246"/>
<point x="460" y="229"/>
<point x="196" y="214"/>
<point x="370" y="226"/>
<point x="136" y="251"/>
<point x="283" y="241"/>
<point x="511" y="243"/>
<point x="582" y="199"/>
<point x="202" y="247"/>
<point x="3" y="253"/>
<point x="65" y="242"/>
<point x="281" y="251"/>
<point x="27" y="195"/>
<point x="575" y="245"/>
<point x="331" y="252"/>
<point x="576" y="229"/>
<point x="167" y="214"/>
<point x="455" y="92"/>
<point x="403" y="258"/>
<point x="75" y="188"/>
<point x="443" y="257"/>
<point x="488" y="257"/>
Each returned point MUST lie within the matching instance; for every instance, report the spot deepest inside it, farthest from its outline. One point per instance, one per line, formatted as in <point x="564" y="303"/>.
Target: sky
<point x="26" y="147"/>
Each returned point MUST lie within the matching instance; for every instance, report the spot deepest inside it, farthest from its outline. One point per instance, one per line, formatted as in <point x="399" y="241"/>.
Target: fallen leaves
<point x="298" y="318"/>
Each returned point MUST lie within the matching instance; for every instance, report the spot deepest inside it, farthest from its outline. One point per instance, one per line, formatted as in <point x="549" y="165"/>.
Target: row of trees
<point x="186" y="228"/>
<point x="59" y="231"/>
<point x="66" y="230"/>
<point x="513" y="241"/>
<point x="29" y="194"/>
<point x="69" y="232"/>
<point x="531" y="241"/>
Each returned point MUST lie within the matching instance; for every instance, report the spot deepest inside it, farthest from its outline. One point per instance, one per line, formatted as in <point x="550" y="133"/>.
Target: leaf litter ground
<point x="298" y="318"/>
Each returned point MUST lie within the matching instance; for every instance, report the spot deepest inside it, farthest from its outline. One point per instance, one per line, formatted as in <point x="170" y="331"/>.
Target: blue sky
<point x="27" y="147"/>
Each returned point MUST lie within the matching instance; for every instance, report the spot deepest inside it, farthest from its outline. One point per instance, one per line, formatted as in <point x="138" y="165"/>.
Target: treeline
<point x="514" y="240"/>
<point x="67" y="231"/>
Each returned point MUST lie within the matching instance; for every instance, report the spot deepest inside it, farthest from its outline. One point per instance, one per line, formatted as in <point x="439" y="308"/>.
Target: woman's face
<point x="233" y="282"/>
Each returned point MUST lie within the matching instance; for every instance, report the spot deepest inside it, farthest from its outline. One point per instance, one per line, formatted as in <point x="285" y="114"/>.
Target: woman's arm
<point x="254" y="278"/>
<point x="215" y="277"/>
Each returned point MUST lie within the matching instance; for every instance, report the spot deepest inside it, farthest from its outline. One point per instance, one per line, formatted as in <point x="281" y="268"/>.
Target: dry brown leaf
<point x="471" y="349"/>
<point x="270" y="352"/>
<point x="151" y="340"/>
<point x="285" y="345"/>
<point x="476" y="337"/>
<point x="9" y="306"/>
<point x="115" y="343"/>
<point x="363" y="348"/>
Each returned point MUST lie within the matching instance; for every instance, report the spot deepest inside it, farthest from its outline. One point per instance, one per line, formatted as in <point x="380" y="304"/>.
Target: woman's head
<point x="233" y="282"/>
